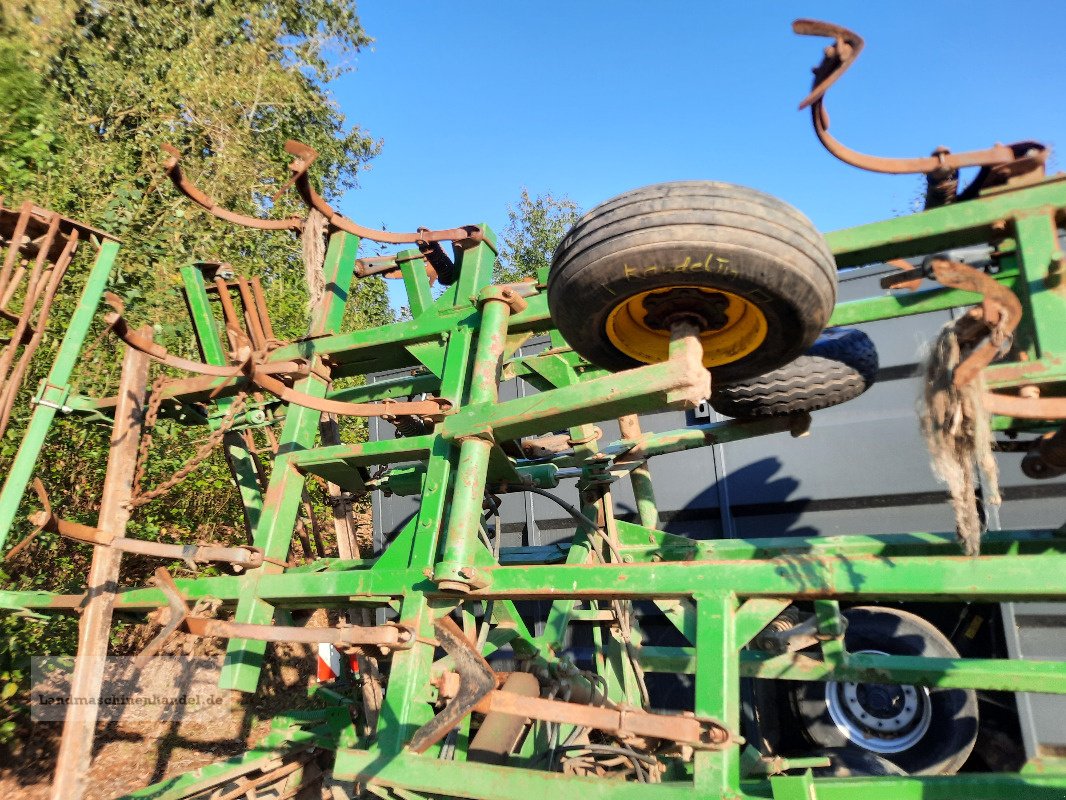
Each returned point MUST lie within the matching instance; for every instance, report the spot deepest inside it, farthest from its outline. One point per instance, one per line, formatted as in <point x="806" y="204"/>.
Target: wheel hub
<point x="882" y="718"/>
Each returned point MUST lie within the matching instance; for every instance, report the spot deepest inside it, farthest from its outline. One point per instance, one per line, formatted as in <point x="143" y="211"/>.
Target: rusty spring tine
<point x="11" y="387"/>
<point x="251" y="314"/>
<point x="261" y="308"/>
<point x="237" y="337"/>
<point x="423" y="408"/>
<point x="999" y="302"/>
<point x="316" y="532"/>
<point x="247" y="788"/>
<point x="838" y="58"/>
<point x="305" y="155"/>
<point x="15" y="244"/>
<point x="121" y="329"/>
<point x="179" y="610"/>
<point x="172" y="167"/>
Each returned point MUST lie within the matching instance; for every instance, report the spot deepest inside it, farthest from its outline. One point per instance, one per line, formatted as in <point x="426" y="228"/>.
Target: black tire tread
<point x="839" y="367"/>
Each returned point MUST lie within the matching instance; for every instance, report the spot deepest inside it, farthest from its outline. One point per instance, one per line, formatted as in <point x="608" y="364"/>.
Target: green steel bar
<point x="488" y="782"/>
<point x="940" y="578"/>
<point x="892" y="306"/>
<point x="468" y="493"/>
<point x="931" y="577"/>
<point x="56" y="389"/>
<point x="679" y="382"/>
<point x="1043" y="265"/>
<point x="382" y="348"/>
<point x="993" y="674"/>
<point x="455" y="570"/>
<point x="403" y="386"/>
<point x="717" y="773"/>
<point x="407" y="696"/>
<point x="415" y="280"/>
<point x="336" y="463"/>
<point x="669" y="547"/>
<point x="938" y="229"/>
<point x="244" y="658"/>
<point x="241" y="461"/>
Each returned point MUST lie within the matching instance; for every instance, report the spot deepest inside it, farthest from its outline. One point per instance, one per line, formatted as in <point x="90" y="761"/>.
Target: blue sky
<point x="475" y="100"/>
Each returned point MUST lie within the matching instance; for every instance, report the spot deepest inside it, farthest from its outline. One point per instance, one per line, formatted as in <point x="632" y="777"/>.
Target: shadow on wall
<point x="723" y="504"/>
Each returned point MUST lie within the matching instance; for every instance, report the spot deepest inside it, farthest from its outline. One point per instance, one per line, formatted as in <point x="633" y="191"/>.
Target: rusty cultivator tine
<point x="305" y="156"/>
<point x="1000" y="162"/>
<point x="179" y="610"/>
<point x="172" y="167"/>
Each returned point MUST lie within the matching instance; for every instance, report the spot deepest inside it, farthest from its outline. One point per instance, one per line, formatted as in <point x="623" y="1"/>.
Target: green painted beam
<point x="67" y="358"/>
<point x="955" y="225"/>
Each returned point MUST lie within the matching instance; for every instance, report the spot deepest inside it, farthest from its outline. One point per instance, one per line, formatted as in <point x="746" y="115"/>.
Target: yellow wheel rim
<point x="744" y="330"/>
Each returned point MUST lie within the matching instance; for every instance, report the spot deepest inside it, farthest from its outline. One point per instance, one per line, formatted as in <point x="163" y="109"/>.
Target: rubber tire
<point x="777" y="260"/>
<point x="953" y="726"/>
<point x="839" y="366"/>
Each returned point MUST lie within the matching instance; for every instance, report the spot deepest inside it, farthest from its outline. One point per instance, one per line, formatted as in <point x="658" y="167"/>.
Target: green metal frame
<point x="719" y="594"/>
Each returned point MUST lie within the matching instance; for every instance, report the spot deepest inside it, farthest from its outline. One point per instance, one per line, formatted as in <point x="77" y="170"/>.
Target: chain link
<point x="201" y="454"/>
<point x="151" y="415"/>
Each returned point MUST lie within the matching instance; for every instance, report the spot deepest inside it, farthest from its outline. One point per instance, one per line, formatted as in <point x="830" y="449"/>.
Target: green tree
<point x="89" y="91"/>
<point x="535" y="226"/>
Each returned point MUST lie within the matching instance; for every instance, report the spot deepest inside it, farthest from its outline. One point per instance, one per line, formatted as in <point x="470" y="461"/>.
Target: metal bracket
<point x="59" y="403"/>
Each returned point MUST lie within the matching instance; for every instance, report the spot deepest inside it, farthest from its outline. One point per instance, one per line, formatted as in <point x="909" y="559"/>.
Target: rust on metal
<point x="385" y="638"/>
<point x="995" y="319"/>
<point x="500" y="732"/>
<point x="262" y="375"/>
<point x="305" y="156"/>
<point x="76" y="745"/>
<point x="1019" y="407"/>
<point x="1000" y="163"/>
<point x="476" y="679"/>
<point x="172" y="167"/>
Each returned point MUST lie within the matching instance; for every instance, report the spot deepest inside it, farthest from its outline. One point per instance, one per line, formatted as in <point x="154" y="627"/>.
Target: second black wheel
<point x="839" y="366"/>
<point x="924" y="731"/>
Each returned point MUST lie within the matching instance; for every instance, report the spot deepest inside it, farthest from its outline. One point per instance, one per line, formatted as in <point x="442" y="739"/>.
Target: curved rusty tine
<point x="179" y="610"/>
<point x="1009" y="405"/>
<point x="839" y="56"/>
<point x="434" y="408"/>
<point x="172" y="167"/>
<point x="908" y="277"/>
<point x="305" y="156"/>
<point x="476" y="680"/>
<point x="122" y="329"/>
<point x="1001" y="311"/>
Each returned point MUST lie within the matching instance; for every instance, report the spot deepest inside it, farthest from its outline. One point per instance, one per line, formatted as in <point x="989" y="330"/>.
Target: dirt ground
<point x="131" y="755"/>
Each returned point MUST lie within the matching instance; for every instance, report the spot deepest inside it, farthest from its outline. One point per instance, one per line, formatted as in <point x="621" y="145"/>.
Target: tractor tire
<point x="752" y="267"/>
<point x="922" y="731"/>
<point x="839" y="366"/>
